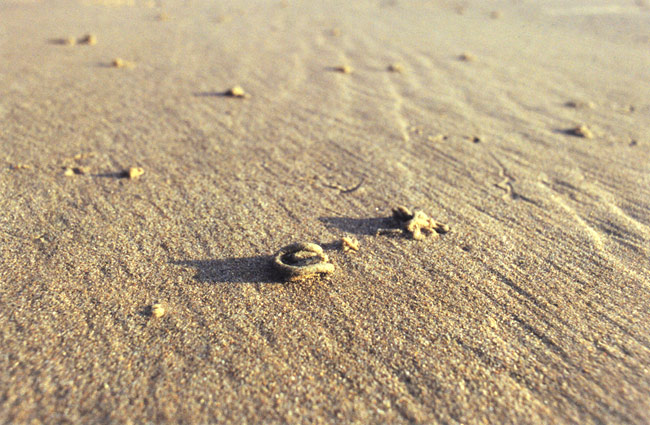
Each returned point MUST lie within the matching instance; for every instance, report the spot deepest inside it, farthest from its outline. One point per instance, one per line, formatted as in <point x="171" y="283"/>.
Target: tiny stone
<point x="396" y="67"/>
<point x="81" y="170"/>
<point x="467" y="57"/>
<point x="237" y="91"/>
<point x="135" y="172"/>
<point x="68" y="172"/>
<point x="157" y="310"/>
<point x="345" y="69"/>
<point x="582" y="131"/>
<point x="89" y="39"/>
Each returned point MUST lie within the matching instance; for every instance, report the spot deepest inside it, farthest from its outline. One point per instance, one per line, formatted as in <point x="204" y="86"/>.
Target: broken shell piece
<point x="344" y="69"/>
<point x="89" y="39"/>
<point x="396" y="67"/>
<point x="157" y="310"/>
<point x="135" y="172"/>
<point x="301" y="261"/>
<point x="349" y="243"/>
<point x="581" y="131"/>
<point x="237" y="91"/>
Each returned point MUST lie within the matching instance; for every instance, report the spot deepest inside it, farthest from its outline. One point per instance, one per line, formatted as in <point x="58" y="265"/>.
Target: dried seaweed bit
<point x="417" y="222"/>
<point x="301" y="261"/>
<point x="89" y="39"/>
<point x="135" y="172"/>
<point x="237" y="91"/>
<point x="581" y="131"/>
<point x="348" y="243"/>
<point x="157" y="310"/>
<point x="344" y="69"/>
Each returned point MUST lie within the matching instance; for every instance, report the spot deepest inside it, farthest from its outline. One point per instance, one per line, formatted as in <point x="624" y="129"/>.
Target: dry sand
<point x="534" y="308"/>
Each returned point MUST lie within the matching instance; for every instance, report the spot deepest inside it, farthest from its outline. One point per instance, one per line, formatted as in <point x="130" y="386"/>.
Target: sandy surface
<point x="534" y="308"/>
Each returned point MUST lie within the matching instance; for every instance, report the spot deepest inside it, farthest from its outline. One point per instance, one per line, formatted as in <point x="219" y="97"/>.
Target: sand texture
<point x="152" y="297"/>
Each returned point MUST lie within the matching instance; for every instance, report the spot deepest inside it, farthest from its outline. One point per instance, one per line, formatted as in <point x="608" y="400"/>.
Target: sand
<point x="532" y="309"/>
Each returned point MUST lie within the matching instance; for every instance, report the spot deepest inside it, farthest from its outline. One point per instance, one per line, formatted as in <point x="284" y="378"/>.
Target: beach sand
<point x="534" y="308"/>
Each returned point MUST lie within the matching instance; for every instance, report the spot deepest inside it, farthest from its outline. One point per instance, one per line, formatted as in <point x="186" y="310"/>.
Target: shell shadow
<point x="256" y="269"/>
<point x="359" y="226"/>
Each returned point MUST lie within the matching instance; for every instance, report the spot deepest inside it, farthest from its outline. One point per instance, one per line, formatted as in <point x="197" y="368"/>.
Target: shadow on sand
<point x="234" y="270"/>
<point x="359" y="226"/>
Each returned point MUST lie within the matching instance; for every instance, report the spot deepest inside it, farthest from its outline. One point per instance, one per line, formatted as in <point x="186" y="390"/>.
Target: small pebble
<point x="157" y="310"/>
<point x="69" y="41"/>
<point x="345" y="69"/>
<point x="68" y="172"/>
<point x="581" y="131"/>
<point x="237" y="91"/>
<point x="396" y="67"/>
<point x="467" y="57"/>
<point x="89" y="39"/>
<point x="121" y="63"/>
<point x="135" y="172"/>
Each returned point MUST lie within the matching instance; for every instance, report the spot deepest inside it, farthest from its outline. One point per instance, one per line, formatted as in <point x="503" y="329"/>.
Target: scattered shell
<point x="89" y="39"/>
<point x="396" y="67"/>
<point x="349" y="243"/>
<point x="581" y="131"/>
<point x="345" y="69"/>
<point x="157" y="310"/>
<point x="135" y="172"/>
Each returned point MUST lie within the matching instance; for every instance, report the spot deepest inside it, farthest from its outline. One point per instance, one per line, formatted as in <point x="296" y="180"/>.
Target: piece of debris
<point x="336" y="32"/>
<point x="437" y="138"/>
<point x="163" y="17"/>
<point x="121" y="63"/>
<point x="20" y="167"/>
<point x="467" y="57"/>
<point x="135" y="172"/>
<point x="301" y="261"/>
<point x="417" y="221"/>
<point x="349" y="243"/>
<point x="69" y="41"/>
<point x="157" y="310"/>
<point x="396" y="67"/>
<point x="344" y="69"/>
<point x="237" y="91"/>
<point x="68" y="172"/>
<point x="581" y="131"/>
<point x="476" y="139"/>
<point x="89" y="39"/>
<point x="83" y="170"/>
